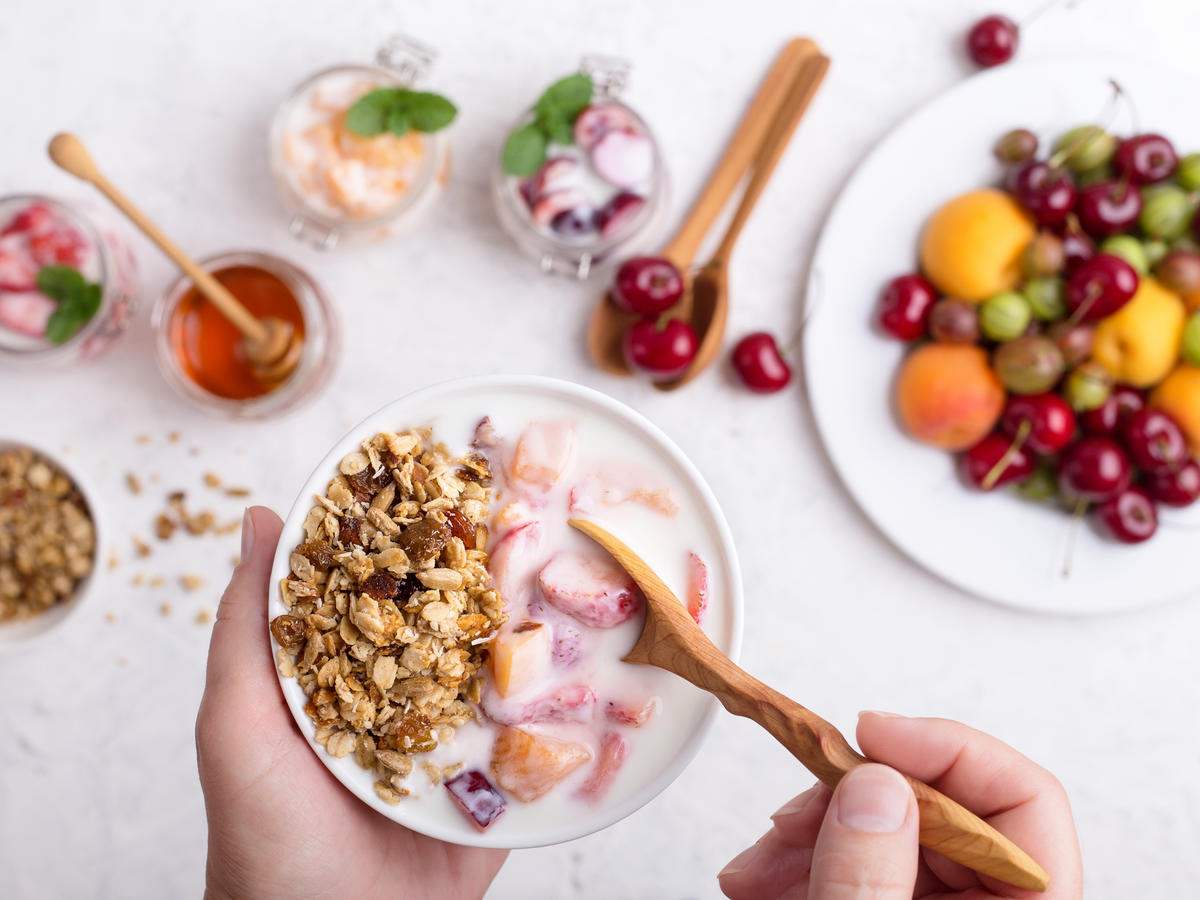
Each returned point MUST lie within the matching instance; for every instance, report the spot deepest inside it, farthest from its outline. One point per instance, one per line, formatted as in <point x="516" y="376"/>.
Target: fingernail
<point x="797" y="804"/>
<point x="873" y="799"/>
<point x="740" y="863"/>
<point x="247" y="535"/>
<point x="881" y="714"/>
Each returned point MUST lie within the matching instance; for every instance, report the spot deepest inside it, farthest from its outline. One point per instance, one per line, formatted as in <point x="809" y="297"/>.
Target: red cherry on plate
<point x="647" y="285"/>
<point x="662" y="353"/>
<point x="1130" y="517"/>
<point x="1146" y="158"/>
<point x="1178" y="487"/>
<point x="992" y="40"/>
<point x="1100" y="287"/>
<point x="905" y="305"/>
<point x="982" y="464"/>
<point x="1094" y="470"/>
<point x="1155" y="441"/>
<point x="1123" y="402"/>
<point x="1051" y="421"/>
<point x="1078" y="248"/>
<point x="760" y="364"/>
<point x="1108" y="207"/>
<point x="1048" y="194"/>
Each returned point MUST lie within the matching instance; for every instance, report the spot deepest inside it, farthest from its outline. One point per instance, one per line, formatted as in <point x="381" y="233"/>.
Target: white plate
<point x="442" y="820"/>
<point x="998" y="547"/>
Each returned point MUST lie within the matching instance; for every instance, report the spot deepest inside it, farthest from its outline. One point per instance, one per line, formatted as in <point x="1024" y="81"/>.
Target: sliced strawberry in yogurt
<point x="26" y="312"/>
<point x="614" y="750"/>
<point x="593" y="590"/>
<point x="555" y="174"/>
<point x="549" y="206"/>
<point x="572" y="703"/>
<point x="697" y="587"/>
<point x="36" y="218"/>
<point x="567" y="647"/>
<point x="623" y="158"/>
<point x="635" y="715"/>
<point x="613" y="486"/>
<point x="62" y="246"/>
<point x="544" y="453"/>
<point x="18" y="270"/>
<point x="513" y="560"/>
<point x="598" y="120"/>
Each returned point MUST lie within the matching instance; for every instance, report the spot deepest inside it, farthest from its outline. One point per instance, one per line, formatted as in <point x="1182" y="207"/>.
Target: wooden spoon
<point x="608" y="323"/>
<point x="710" y="287"/>
<point x="671" y="640"/>
<point x="271" y="345"/>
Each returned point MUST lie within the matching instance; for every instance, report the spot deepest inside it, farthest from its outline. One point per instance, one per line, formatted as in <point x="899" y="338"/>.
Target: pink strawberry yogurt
<point x="36" y="232"/>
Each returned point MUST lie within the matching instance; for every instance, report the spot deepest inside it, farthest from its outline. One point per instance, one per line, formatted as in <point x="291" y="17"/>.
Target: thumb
<point x="868" y="841"/>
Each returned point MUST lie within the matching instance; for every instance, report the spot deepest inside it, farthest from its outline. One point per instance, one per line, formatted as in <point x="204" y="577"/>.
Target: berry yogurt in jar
<point x="68" y="280"/>
<point x="581" y="179"/>
<point x="357" y="152"/>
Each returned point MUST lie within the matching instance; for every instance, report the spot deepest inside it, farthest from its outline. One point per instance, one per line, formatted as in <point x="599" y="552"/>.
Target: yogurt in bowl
<point x="553" y="736"/>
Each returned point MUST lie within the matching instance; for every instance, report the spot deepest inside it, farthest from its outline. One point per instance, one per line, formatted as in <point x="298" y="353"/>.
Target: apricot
<point x="971" y="247"/>
<point x="528" y="765"/>
<point x="947" y="395"/>
<point x="1139" y="344"/>
<point x="1179" y="396"/>
<point x="520" y="657"/>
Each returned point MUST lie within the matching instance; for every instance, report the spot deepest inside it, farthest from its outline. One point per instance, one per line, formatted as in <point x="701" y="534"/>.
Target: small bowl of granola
<point x="452" y="649"/>
<point x="49" y="544"/>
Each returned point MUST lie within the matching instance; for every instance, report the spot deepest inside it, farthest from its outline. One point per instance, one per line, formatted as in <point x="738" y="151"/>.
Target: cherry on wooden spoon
<point x="671" y="640"/>
<point x="271" y="345"/>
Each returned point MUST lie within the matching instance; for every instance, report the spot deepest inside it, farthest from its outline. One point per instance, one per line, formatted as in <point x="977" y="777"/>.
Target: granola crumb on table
<point x="47" y="539"/>
<point x="390" y="605"/>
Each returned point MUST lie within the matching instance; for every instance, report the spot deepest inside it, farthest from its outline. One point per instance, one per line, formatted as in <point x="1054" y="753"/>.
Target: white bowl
<point x="422" y="408"/>
<point x="25" y="634"/>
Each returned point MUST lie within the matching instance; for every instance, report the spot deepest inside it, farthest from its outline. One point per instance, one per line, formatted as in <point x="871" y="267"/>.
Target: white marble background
<point x="98" y="792"/>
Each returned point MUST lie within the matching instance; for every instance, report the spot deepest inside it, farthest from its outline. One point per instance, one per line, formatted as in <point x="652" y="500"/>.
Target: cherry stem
<point x="998" y="470"/>
<point x="1107" y="113"/>
<point x="1081" y="508"/>
<point x="1045" y="8"/>
<point x="1095" y="292"/>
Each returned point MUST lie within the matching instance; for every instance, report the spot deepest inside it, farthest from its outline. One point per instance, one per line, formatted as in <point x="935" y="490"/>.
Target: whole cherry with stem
<point x="993" y="39"/>
<point x="996" y="461"/>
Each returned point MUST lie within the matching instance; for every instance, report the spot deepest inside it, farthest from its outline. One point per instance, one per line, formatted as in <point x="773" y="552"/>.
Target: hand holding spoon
<point x="671" y="640"/>
<point x="271" y="345"/>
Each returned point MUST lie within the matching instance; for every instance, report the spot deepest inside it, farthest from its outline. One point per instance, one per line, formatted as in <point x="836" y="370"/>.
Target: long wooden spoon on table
<point x="608" y="324"/>
<point x="671" y="640"/>
<point x="271" y="345"/>
<point x="710" y="286"/>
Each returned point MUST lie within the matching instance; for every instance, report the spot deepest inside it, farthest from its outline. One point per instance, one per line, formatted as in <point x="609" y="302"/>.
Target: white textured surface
<point x="98" y="793"/>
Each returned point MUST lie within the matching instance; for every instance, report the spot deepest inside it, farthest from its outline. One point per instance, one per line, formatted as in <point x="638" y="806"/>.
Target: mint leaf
<point x="73" y="313"/>
<point x="60" y="282"/>
<point x="369" y="114"/>
<point x="556" y="127"/>
<point x="524" y="151"/>
<point x="567" y="96"/>
<point x="397" y="121"/>
<point x="430" y="112"/>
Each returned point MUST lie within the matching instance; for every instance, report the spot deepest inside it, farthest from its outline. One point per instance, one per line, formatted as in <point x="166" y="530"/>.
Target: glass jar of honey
<point x="200" y="352"/>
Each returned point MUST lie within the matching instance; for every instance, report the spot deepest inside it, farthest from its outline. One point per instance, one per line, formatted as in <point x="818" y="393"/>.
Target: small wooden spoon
<point x="710" y="287"/>
<point x="271" y="345"/>
<point x="608" y="323"/>
<point x="671" y="640"/>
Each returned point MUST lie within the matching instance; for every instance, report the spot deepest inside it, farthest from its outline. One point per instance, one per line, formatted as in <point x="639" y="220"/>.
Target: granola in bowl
<point x="47" y="536"/>
<point x="390" y="605"/>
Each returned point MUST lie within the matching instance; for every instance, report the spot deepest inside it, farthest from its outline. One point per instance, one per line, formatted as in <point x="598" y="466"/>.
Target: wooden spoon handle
<point x="800" y="93"/>
<point x="69" y="153"/>
<point x="739" y="153"/>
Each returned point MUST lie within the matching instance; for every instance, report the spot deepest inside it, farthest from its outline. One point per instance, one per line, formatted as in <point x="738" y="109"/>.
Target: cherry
<point x="1179" y="487"/>
<point x="1078" y="248"/>
<point x="1046" y="192"/>
<point x="647" y="285"/>
<point x="996" y="461"/>
<point x="1047" y="418"/>
<point x="575" y="222"/>
<point x="1155" y="441"/>
<point x="1130" y="517"/>
<point x="662" y="353"/>
<point x="1100" y="287"/>
<point x="1108" y="207"/>
<point x="1094" y="470"/>
<point x="1146" y="158"/>
<point x="760" y="364"/>
<point x="1123" y="402"/>
<point x="992" y="40"/>
<point x="905" y="306"/>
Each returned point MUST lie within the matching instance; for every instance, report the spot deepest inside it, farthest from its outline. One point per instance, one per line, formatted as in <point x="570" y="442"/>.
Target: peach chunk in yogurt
<point x="340" y="174"/>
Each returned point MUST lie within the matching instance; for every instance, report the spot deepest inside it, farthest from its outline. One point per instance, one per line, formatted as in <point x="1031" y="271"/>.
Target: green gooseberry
<point x="1188" y="173"/>
<point x="1085" y="147"/>
<point x="1040" y="486"/>
<point x="1191" y="340"/>
<point x="1129" y="249"/>
<point x="1094" y="176"/>
<point x="1005" y="316"/>
<point x="1045" y="298"/>
<point x="1088" y="386"/>
<point x="1155" y="251"/>
<point x="1166" y="211"/>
